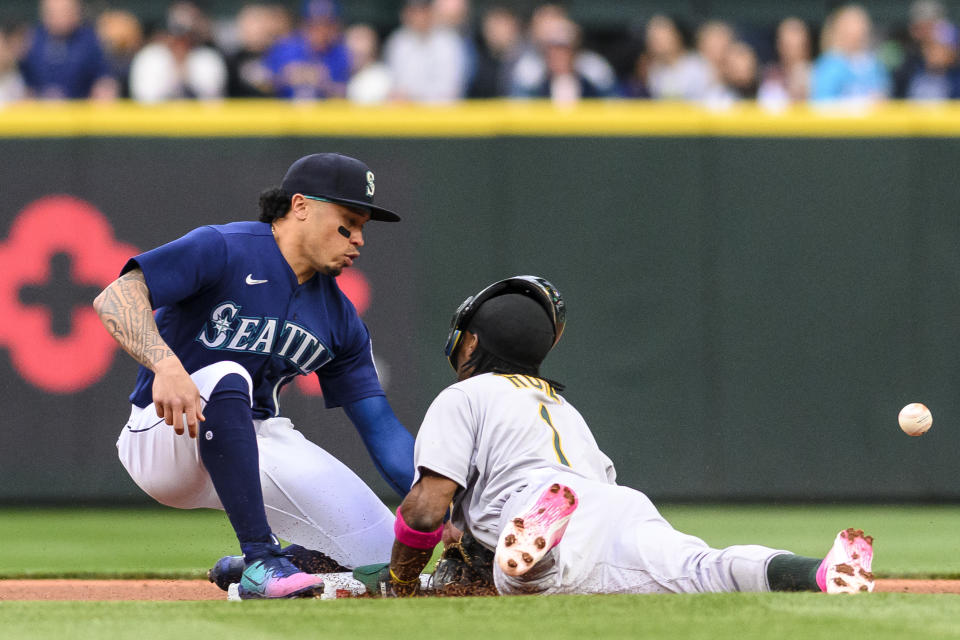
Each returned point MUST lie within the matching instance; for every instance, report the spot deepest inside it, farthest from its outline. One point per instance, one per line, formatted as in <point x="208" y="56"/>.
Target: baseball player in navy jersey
<point x="531" y="487"/>
<point x="241" y="309"/>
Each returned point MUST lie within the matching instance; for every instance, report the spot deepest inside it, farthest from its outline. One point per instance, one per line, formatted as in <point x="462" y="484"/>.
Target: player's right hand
<point x="176" y="397"/>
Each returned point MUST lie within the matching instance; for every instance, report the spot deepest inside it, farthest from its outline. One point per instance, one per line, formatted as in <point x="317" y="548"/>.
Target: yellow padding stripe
<point x="472" y="119"/>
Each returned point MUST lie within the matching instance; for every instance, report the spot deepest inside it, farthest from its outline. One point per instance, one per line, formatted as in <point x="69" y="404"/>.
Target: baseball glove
<point x="464" y="568"/>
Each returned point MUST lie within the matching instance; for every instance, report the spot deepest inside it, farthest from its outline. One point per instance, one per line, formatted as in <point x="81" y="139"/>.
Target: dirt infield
<point x="918" y="586"/>
<point x="168" y="590"/>
<point x="165" y="590"/>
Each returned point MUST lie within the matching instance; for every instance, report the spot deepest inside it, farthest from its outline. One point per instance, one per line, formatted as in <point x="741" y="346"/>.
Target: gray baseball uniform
<point x="505" y="438"/>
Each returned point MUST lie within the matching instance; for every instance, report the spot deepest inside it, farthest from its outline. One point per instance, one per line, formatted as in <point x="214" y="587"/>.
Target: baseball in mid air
<point x="915" y="419"/>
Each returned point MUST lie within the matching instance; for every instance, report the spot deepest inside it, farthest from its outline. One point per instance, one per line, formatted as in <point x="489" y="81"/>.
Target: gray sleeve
<point x="447" y="437"/>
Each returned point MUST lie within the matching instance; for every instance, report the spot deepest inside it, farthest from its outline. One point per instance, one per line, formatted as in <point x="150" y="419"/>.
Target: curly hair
<point x="274" y="204"/>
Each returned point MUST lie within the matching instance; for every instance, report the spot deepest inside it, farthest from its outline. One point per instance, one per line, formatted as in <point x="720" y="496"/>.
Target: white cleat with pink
<point x="528" y="537"/>
<point x="847" y="567"/>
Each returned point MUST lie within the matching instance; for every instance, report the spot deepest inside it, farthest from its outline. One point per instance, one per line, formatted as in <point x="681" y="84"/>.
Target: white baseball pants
<point x="617" y="542"/>
<point x="311" y="498"/>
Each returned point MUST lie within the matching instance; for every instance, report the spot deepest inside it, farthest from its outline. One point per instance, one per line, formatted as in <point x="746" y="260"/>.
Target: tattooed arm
<point x="125" y="310"/>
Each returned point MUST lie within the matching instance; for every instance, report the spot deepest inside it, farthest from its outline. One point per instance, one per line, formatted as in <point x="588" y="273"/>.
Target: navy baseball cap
<point x="337" y="178"/>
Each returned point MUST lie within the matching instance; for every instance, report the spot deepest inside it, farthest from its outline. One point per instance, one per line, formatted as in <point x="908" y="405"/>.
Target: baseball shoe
<point x="229" y="569"/>
<point x="528" y="537"/>
<point x="846" y="569"/>
<point x="275" y="576"/>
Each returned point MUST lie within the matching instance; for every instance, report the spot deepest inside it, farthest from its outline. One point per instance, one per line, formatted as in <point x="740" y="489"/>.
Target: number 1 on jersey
<point x="545" y="416"/>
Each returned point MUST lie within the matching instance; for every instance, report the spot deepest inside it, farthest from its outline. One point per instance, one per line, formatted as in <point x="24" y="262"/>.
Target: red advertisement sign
<point x="47" y="227"/>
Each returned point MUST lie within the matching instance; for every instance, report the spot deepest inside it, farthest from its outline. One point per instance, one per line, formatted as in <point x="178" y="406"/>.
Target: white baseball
<point x="915" y="419"/>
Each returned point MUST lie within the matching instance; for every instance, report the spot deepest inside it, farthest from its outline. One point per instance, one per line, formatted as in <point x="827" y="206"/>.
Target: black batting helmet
<point x="534" y="287"/>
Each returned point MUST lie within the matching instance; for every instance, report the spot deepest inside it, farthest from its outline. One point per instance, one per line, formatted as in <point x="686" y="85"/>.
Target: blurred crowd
<point x="442" y="51"/>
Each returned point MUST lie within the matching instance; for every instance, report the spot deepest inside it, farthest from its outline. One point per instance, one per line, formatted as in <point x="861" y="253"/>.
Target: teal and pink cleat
<point x="847" y="567"/>
<point x="277" y="577"/>
<point x="229" y="569"/>
<point x="528" y="537"/>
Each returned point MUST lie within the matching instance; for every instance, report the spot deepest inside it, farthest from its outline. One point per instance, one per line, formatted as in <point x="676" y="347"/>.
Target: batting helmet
<point x="534" y="287"/>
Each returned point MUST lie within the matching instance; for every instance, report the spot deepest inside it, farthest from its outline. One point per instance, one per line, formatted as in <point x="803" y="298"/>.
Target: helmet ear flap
<point x="451" y="348"/>
<point x="459" y="321"/>
<point x="553" y="304"/>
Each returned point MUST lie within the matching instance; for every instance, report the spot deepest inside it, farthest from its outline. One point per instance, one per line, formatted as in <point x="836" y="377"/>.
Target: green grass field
<point x="910" y="542"/>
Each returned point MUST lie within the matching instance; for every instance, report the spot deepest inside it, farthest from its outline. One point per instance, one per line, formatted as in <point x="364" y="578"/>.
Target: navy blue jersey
<point x="227" y="293"/>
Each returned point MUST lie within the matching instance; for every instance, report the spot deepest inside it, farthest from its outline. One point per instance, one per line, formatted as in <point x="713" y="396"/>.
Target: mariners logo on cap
<point x="370" y="186"/>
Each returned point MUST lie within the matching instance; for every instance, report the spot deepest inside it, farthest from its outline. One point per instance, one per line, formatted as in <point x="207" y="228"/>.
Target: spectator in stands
<point x="937" y="77"/>
<point x="848" y="70"/>
<point x="426" y="60"/>
<point x="314" y="62"/>
<point x="12" y="86"/>
<point x="453" y="14"/>
<point x="501" y="48"/>
<point x="738" y="77"/>
<point x="65" y="60"/>
<point x="673" y="72"/>
<point x="739" y="71"/>
<point x="563" y="83"/>
<point x="531" y="71"/>
<point x="924" y="16"/>
<point x="787" y="80"/>
<point x="177" y="64"/>
<point x="121" y="36"/>
<point x="456" y="15"/>
<point x="258" y="27"/>
<point x="714" y="39"/>
<point x="370" y="80"/>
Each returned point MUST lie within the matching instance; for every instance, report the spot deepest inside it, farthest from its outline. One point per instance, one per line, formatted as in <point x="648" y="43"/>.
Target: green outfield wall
<point x="752" y="297"/>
